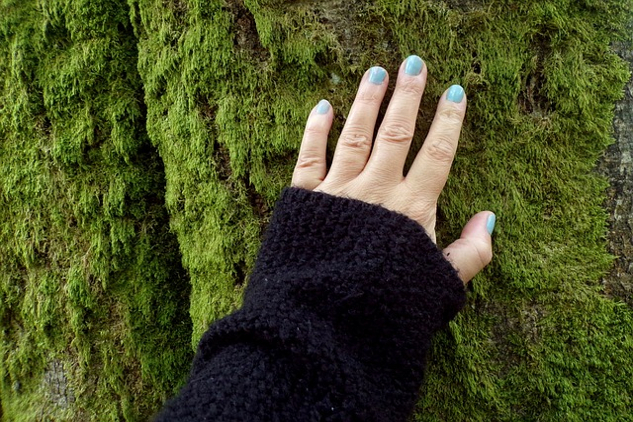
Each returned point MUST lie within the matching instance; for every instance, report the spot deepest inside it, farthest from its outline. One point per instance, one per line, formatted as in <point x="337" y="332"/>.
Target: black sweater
<point x="337" y="318"/>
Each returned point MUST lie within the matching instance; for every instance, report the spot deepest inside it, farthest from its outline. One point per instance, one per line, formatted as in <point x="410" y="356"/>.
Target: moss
<point x="227" y="86"/>
<point x="235" y="81"/>
<point x="93" y="297"/>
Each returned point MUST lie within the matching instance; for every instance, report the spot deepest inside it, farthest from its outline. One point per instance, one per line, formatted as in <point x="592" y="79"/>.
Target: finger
<point x="354" y="144"/>
<point x="311" y="168"/>
<point x="431" y="166"/>
<point x="473" y="250"/>
<point x="396" y="131"/>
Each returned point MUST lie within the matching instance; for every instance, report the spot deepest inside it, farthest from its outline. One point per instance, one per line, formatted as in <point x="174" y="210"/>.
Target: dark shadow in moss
<point x="532" y="99"/>
<point x="246" y="39"/>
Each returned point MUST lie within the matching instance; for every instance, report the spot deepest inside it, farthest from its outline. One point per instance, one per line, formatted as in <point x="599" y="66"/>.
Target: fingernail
<point x="490" y="224"/>
<point x="323" y="107"/>
<point x="455" y="94"/>
<point x="413" y="66"/>
<point x="377" y="75"/>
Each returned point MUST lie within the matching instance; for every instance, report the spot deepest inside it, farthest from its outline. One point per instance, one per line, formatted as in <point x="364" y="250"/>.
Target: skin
<point x="373" y="170"/>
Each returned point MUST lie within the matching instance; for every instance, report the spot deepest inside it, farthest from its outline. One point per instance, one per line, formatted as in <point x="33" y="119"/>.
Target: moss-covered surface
<point x="93" y="297"/>
<point x="113" y="112"/>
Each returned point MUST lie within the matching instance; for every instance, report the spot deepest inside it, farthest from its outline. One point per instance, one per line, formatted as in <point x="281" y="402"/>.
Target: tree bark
<point x="617" y="166"/>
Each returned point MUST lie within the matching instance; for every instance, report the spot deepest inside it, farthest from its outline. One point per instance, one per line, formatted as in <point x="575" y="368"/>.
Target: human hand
<point x="375" y="175"/>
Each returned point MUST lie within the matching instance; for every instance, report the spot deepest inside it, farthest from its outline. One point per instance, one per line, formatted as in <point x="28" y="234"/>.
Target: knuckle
<point x="396" y="133"/>
<point x="308" y="160"/>
<point x="440" y="148"/>
<point x="413" y="86"/>
<point x="450" y="116"/>
<point x="355" y="140"/>
<point x="368" y="97"/>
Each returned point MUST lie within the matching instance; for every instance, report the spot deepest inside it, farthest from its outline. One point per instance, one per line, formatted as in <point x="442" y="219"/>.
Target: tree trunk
<point x="143" y="144"/>
<point x="617" y="166"/>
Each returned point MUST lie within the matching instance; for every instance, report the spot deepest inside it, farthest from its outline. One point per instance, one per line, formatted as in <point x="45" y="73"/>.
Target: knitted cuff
<point x="359" y="266"/>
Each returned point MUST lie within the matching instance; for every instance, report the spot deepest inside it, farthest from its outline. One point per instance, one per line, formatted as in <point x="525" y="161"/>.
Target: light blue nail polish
<point x="323" y="107"/>
<point x="490" y="224"/>
<point x="377" y="75"/>
<point x="413" y="65"/>
<point x="455" y="94"/>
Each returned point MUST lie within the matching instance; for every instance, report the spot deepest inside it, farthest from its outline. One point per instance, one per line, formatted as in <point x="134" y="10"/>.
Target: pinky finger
<point x="310" y="169"/>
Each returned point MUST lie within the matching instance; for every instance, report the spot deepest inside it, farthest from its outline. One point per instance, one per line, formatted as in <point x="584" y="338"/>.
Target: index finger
<point x="431" y="166"/>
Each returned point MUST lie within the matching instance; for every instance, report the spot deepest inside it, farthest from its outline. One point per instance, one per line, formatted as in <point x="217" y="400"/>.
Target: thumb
<point x="473" y="250"/>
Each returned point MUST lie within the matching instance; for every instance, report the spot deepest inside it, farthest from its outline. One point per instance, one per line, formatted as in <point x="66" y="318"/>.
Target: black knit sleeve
<point x="336" y="321"/>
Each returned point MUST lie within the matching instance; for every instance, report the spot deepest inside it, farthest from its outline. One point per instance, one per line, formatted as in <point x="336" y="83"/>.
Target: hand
<point x="375" y="175"/>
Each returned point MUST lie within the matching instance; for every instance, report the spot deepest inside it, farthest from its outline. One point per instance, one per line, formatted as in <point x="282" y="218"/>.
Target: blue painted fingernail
<point x="490" y="224"/>
<point x="455" y="94"/>
<point x="323" y="107"/>
<point x="377" y="75"/>
<point x="413" y="66"/>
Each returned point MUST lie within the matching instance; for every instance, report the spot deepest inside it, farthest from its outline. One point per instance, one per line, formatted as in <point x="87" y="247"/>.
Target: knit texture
<point x="336" y="322"/>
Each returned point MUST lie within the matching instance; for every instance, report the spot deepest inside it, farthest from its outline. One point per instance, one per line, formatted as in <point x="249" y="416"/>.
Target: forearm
<point x="336" y="321"/>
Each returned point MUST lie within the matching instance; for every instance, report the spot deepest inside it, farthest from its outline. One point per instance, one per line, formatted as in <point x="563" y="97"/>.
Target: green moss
<point x="93" y="298"/>
<point x="227" y="84"/>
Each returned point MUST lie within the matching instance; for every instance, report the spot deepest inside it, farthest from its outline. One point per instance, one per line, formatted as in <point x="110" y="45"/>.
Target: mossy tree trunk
<point x="119" y="118"/>
<point x="93" y="296"/>
<point x="617" y="166"/>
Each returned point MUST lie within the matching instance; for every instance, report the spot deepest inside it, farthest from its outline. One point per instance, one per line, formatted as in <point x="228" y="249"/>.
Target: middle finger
<point x="354" y="144"/>
<point x="396" y="131"/>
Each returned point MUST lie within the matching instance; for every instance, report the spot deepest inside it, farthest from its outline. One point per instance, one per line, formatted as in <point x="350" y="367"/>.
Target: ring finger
<point x="431" y="166"/>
